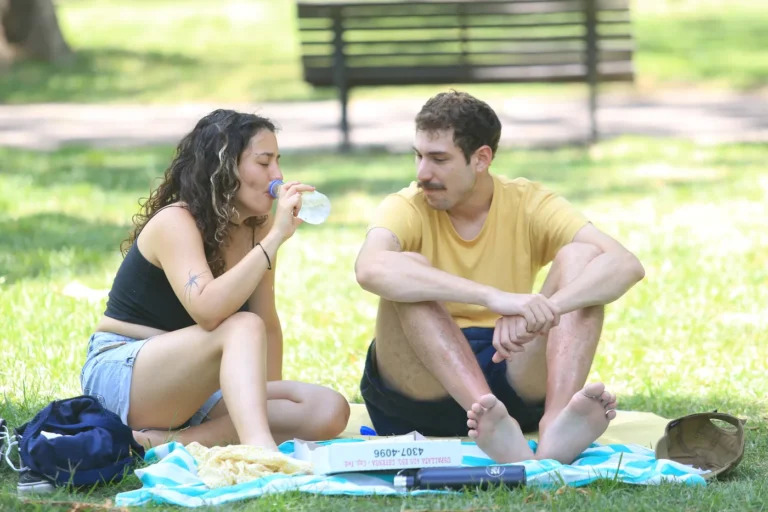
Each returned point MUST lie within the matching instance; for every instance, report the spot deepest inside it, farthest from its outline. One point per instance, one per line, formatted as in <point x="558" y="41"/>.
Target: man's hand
<point x="538" y="311"/>
<point x="510" y="334"/>
<point x="505" y="337"/>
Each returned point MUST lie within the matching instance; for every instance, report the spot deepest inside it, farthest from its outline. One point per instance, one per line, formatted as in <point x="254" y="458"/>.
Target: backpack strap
<point x="8" y="441"/>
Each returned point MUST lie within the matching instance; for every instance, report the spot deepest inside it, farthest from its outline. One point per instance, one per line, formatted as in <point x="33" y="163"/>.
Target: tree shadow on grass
<point x="48" y="244"/>
<point x="109" y="170"/>
<point x="94" y="76"/>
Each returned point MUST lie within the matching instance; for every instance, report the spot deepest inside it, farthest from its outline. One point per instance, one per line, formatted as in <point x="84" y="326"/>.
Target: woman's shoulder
<point x="170" y="215"/>
<point x="164" y="226"/>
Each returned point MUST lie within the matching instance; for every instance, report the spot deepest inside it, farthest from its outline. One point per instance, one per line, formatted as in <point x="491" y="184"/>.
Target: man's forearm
<point x="605" y="279"/>
<point x="402" y="277"/>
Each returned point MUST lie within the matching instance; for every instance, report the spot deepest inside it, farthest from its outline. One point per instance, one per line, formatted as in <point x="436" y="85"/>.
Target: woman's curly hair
<point x="204" y="176"/>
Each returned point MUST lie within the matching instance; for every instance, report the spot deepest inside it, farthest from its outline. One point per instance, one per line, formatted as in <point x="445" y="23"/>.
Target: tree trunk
<point x="30" y="30"/>
<point x="6" y="50"/>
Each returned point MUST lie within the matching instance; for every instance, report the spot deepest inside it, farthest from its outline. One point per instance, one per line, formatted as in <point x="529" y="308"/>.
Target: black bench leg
<point x="593" y="135"/>
<point x="344" y="98"/>
<point x="590" y="13"/>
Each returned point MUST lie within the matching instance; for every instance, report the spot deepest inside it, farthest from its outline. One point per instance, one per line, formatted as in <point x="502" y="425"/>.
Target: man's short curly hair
<point x="473" y="121"/>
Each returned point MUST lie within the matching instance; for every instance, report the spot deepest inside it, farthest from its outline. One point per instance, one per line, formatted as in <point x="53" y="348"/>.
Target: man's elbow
<point x="367" y="273"/>
<point x="634" y="268"/>
<point x="363" y="275"/>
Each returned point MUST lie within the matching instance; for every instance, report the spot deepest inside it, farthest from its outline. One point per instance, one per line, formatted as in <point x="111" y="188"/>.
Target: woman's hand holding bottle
<point x="288" y="206"/>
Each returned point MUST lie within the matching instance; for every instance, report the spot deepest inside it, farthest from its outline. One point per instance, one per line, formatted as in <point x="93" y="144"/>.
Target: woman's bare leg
<point x="176" y="372"/>
<point x="295" y="410"/>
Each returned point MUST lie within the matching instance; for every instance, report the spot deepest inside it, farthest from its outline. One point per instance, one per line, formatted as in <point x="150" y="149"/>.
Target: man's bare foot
<point x="496" y="432"/>
<point x="578" y="425"/>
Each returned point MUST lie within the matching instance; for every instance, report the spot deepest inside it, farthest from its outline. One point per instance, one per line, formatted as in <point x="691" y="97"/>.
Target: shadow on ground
<point x="93" y="76"/>
<point x="109" y="170"/>
<point x="46" y="243"/>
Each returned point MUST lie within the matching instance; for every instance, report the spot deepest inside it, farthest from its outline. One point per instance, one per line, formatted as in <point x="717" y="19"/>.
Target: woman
<point x="190" y="341"/>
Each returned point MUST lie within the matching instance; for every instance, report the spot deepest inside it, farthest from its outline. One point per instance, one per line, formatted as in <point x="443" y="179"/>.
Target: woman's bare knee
<point x="336" y="416"/>
<point x="241" y="327"/>
<point x="243" y="321"/>
<point x="330" y="413"/>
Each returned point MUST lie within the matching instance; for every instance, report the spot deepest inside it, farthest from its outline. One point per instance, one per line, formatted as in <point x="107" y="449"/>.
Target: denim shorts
<point x="107" y="372"/>
<point x="393" y="413"/>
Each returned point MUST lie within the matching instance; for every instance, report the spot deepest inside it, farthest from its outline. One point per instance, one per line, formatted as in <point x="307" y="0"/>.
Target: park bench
<point x="348" y="44"/>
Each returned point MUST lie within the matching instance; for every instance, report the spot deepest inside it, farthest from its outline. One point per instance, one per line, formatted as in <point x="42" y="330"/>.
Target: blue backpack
<point x="78" y="442"/>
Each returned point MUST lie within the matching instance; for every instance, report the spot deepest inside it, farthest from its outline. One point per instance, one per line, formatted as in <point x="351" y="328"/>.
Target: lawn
<point x="247" y="51"/>
<point x="689" y="338"/>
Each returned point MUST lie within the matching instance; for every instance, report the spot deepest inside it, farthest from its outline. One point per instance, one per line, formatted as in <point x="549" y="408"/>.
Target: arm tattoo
<point x="192" y="282"/>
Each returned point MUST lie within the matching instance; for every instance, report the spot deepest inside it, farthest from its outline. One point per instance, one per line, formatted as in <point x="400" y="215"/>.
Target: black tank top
<point x="141" y="294"/>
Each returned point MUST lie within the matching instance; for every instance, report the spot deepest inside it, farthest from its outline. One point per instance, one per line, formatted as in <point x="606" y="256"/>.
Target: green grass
<point x="235" y="51"/>
<point x="689" y="338"/>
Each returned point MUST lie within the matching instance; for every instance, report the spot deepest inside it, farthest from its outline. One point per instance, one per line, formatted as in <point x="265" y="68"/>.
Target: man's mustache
<point x="430" y="186"/>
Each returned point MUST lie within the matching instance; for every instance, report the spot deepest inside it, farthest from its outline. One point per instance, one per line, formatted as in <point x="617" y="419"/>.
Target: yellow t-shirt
<point x="526" y="226"/>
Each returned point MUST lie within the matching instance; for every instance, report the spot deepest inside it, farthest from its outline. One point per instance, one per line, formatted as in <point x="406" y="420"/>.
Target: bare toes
<point x="610" y="414"/>
<point x="471" y="415"/>
<point x="486" y="401"/>
<point x="593" y="390"/>
<point x="473" y="434"/>
<point x="477" y="409"/>
<point x="472" y="424"/>
<point x="610" y="406"/>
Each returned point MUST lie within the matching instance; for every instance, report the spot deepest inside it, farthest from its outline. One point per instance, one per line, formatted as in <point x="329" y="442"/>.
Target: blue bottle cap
<point x="367" y="431"/>
<point x="273" y="186"/>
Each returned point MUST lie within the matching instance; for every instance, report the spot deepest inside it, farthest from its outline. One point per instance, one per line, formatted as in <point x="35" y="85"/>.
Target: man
<point x="461" y="341"/>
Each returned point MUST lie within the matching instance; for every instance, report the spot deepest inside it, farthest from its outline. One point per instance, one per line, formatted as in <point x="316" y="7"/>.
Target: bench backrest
<point x="453" y="41"/>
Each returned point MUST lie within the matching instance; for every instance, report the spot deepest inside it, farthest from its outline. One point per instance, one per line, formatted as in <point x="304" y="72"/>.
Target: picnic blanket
<point x="171" y="477"/>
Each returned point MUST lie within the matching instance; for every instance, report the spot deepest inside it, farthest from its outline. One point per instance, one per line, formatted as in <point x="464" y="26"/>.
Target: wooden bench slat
<point x="473" y="60"/>
<point x="471" y="26"/>
<point x="451" y="21"/>
<point x="403" y="42"/>
<point x="603" y="37"/>
<point x="619" y="71"/>
<point x="418" y="23"/>
<point x="604" y="54"/>
<point x="476" y="49"/>
<point x="563" y="6"/>
<point x="396" y="9"/>
<point x="544" y="47"/>
<point x="531" y="52"/>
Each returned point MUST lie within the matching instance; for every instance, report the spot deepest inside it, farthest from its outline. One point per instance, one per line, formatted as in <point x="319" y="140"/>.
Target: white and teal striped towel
<point x="171" y="477"/>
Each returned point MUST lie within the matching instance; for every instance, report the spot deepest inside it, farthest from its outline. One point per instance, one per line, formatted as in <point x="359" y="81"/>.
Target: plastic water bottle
<point x="315" y="207"/>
